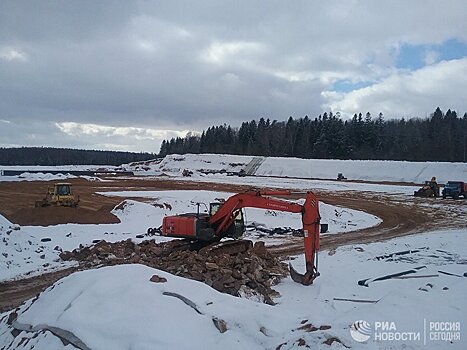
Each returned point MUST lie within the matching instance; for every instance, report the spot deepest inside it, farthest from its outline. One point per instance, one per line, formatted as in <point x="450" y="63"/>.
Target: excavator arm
<point x="227" y="213"/>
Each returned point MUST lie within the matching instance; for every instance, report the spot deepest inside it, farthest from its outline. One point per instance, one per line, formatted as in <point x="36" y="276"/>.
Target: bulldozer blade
<point x="306" y="279"/>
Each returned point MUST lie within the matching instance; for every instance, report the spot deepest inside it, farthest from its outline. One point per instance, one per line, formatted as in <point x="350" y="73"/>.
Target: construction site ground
<point x="400" y="215"/>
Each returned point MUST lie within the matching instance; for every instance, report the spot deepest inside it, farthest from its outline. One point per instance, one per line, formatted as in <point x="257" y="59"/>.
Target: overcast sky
<point x="124" y="75"/>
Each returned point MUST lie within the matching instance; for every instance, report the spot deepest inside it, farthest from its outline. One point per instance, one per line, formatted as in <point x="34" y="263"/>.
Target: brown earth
<point x="17" y="199"/>
<point x="14" y="293"/>
<point x="401" y="216"/>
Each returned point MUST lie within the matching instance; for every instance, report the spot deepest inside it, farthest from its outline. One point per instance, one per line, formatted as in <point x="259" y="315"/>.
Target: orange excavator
<point x="225" y="219"/>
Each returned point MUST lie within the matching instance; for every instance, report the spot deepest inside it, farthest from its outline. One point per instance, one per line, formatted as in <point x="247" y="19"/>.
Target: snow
<point x="119" y="308"/>
<point x="400" y="300"/>
<point x="26" y="176"/>
<point x="298" y="184"/>
<point x="367" y="170"/>
<point x="141" y="317"/>
<point x="39" y="172"/>
<point x="25" y="168"/>
<point x="339" y="219"/>
<point x="24" y="252"/>
<point x="326" y="169"/>
<point x="175" y="163"/>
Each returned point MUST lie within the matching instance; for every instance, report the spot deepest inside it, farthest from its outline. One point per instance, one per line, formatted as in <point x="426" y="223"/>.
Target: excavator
<point x="225" y="219"/>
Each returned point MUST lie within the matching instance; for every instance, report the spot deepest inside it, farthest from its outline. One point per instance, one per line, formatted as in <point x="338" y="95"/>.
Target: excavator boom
<point x="226" y="215"/>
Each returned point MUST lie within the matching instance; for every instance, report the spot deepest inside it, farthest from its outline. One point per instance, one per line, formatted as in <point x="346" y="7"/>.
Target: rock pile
<point x="250" y="271"/>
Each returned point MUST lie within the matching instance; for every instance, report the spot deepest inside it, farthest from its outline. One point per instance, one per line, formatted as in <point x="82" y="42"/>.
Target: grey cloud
<point x="147" y="64"/>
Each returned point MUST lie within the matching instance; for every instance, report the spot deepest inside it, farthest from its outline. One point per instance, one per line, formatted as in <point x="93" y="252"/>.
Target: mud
<point x="13" y="293"/>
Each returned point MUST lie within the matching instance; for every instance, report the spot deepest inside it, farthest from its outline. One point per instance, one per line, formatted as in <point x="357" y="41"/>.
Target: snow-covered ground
<point x="297" y="184"/>
<point x="119" y="308"/>
<point x="33" y="249"/>
<point x="365" y="170"/>
<point x="175" y="164"/>
<point x="25" y="168"/>
<point x="368" y="170"/>
<point x="372" y="170"/>
<point x="26" y="176"/>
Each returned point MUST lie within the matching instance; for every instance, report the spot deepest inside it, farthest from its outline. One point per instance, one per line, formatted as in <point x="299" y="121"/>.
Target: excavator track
<point x="227" y="247"/>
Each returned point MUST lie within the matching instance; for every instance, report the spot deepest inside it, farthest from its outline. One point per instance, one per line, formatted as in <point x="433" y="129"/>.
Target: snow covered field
<point x="299" y="184"/>
<point x="368" y="170"/>
<point x="119" y="308"/>
<point x="364" y="170"/>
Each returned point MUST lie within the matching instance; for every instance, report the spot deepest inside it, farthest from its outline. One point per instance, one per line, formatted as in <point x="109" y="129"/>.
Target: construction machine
<point x="455" y="189"/>
<point x="225" y="219"/>
<point x="60" y="194"/>
<point x="429" y="189"/>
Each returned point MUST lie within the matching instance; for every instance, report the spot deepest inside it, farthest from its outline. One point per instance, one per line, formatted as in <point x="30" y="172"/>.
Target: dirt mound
<point x="250" y="271"/>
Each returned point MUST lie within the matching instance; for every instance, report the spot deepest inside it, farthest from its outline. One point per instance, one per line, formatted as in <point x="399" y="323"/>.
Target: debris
<point x="419" y="276"/>
<point x="264" y="331"/>
<point x="221" y="325"/>
<point x="11" y="317"/>
<point x="158" y="279"/>
<point x="357" y="300"/>
<point x="367" y="281"/>
<point x="452" y="274"/>
<point x="331" y="340"/>
<point x="236" y="269"/>
<point x="426" y="288"/>
<point x="152" y="231"/>
<point x="307" y="328"/>
<point x="46" y="239"/>
<point x="65" y="336"/>
<point x="275" y="231"/>
<point x="279" y="347"/>
<point x="404" y="252"/>
<point x="185" y="300"/>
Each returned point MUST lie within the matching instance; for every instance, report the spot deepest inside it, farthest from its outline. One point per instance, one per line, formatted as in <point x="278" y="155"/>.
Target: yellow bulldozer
<point x="59" y="195"/>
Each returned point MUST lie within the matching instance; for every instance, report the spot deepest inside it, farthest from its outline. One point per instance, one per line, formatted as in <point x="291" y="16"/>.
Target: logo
<point x="360" y="331"/>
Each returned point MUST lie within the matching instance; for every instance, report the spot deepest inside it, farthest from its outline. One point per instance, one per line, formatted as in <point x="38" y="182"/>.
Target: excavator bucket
<point x="306" y="279"/>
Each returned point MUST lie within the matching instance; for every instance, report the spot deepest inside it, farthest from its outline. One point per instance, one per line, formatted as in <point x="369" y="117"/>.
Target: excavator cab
<point x="62" y="189"/>
<point x="238" y="228"/>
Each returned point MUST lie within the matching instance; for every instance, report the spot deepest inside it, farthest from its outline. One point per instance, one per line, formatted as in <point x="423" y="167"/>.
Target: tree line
<point x="67" y="156"/>
<point x="440" y="137"/>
